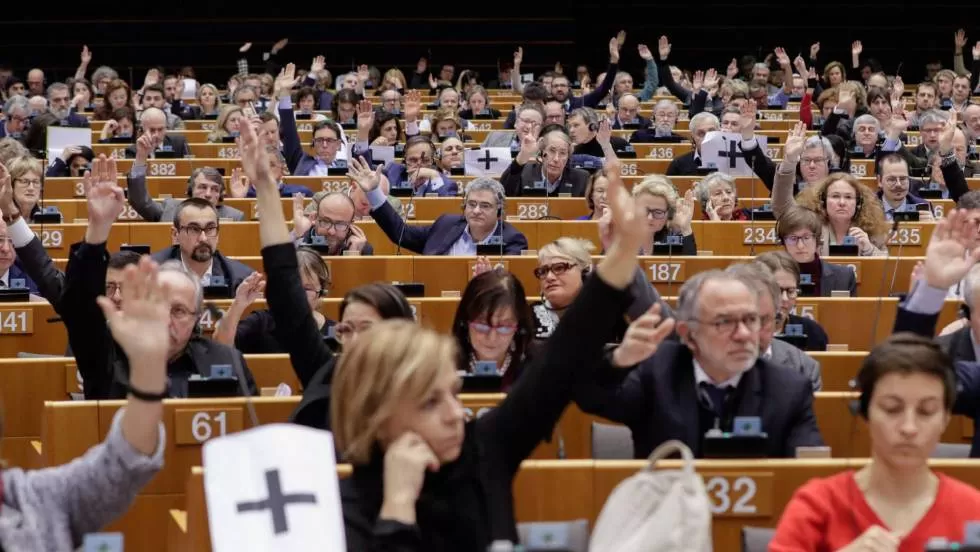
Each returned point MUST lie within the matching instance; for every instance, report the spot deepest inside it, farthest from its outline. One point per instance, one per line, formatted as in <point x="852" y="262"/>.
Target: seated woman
<point x="117" y="95"/>
<point x="419" y="173"/>
<point x="306" y="104"/>
<point x="478" y="103"/>
<point x="718" y="199"/>
<point x="564" y="266"/>
<point x="445" y="123"/>
<point x="256" y="333"/>
<point x="25" y="177"/>
<point x="386" y="130"/>
<point x="208" y="104"/>
<point x="787" y="273"/>
<point x="799" y="230"/>
<point x="493" y="323"/>
<point x="74" y="161"/>
<point x="894" y="502"/>
<point x="229" y="123"/>
<point x="846" y="207"/>
<point x="668" y="216"/>
<point x="595" y="195"/>
<point x="54" y="508"/>
<point x="122" y="124"/>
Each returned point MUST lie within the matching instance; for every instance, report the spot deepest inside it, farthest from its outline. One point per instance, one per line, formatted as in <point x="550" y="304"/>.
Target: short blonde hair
<point x="657" y="185"/>
<point x="401" y="360"/>
<point x="19" y="166"/>
<point x="574" y="249"/>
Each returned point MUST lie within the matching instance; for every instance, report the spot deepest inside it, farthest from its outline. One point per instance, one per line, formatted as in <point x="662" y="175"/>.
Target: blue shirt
<point x="466" y="246"/>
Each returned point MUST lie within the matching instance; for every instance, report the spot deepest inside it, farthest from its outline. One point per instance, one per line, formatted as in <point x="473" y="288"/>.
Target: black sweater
<point x="469" y="503"/>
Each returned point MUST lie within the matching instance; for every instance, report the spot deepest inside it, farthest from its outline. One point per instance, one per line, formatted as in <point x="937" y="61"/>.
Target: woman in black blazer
<point x="425" y="479"/>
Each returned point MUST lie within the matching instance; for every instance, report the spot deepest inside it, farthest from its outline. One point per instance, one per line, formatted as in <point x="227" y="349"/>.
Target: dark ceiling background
<point x="703" y="35"/>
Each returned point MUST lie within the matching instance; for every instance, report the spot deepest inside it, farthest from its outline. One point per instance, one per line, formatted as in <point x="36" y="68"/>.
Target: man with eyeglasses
<point x="16" y="114"/>
<point x="482" y="221"/>
<point x="195" y="236"/>
<point x="893" y="189"/>
<point x="665" y="389"/>
<point x="333" y="226"/>
<point x="103" y="366"/>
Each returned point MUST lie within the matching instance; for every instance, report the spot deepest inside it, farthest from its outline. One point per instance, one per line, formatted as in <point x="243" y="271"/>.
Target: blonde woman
<point x="208" y="103"/>
<point x="668" y="215"/>
<point x="229" y="124"/>
<point x="847" y="207"/>
<point x="25" y="177"/>
<point x="424" y="478"/>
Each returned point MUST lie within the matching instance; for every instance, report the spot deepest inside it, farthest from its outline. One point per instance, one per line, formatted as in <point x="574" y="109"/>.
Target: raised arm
<point x="139" y="195"/>
<point x="247" y="292"/>
<point x="292" y="149"/>
<point x="296" y="328"/>
<point x="533" y="406"/>
<point x="785" y="179"/>
<point x="652" y="77"/>
<point x="398" y="231"/>
<point x="593" y="98"/>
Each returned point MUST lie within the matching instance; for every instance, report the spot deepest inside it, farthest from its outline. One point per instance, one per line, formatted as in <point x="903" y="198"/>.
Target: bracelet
<point x="144" y="396"/>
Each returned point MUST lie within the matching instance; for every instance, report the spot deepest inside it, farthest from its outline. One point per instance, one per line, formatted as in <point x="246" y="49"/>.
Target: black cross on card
<point x="486" y="159"/>
<point x="731" y="153"/>
<point x="276" y="502"/>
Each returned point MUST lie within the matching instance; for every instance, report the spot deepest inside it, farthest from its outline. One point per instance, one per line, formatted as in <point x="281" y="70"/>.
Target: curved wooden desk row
<point x="70" y="428"/>
<point x="742" y="493"/>
<point x="241" y="239"/>
<point x="849" y="322"/>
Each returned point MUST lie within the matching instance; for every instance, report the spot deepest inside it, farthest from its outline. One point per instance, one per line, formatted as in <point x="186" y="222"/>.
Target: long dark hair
<point x="484" y="295"/>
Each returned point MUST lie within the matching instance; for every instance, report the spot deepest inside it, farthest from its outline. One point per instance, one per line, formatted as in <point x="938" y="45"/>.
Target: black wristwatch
<point x="150" y="397"/>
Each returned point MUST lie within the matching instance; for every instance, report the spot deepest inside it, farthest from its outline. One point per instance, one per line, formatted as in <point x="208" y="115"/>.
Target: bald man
<point x="333" y="227"/>
<point x="35" y="82"/>
<point x="628" y="113"/>
<point x="971" y="121"/>
<point x="153" y="122"/>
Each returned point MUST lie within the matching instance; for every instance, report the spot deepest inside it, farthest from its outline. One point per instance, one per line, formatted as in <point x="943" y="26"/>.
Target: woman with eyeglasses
<point x="799" y="230"/>
<point x="256" y="333"/>
<point x="595" y="195"/>
<point x="787" y="274"/>
<point x="25" y="177"/>
<point x="419" y="173"/>
<point x="493" y="324"/>
<point x="668" y="216"/>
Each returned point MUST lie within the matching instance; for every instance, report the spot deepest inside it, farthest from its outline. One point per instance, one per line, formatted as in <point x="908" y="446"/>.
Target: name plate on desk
<point x="161" y="168"/>
<point x="673" y="271"/>
<point x="806" y="309"/>
<point x="16" y="321"/>
<point x="907" y="234"/>
<point x="739" y="494"/>
<point x="207" y="321"/>
<point x="52" y="237"/>
<point x="335" y="185"/>
<point x="195" y="426"/>
<point x="759" y="235"/>
<point x="661" y="152"/>
<point x="79" y="189"/>
<point x="228" y="152"/>
<point x="531" y="210"/>
<point x="128" y="213"/>
<point x="629" y="169"/>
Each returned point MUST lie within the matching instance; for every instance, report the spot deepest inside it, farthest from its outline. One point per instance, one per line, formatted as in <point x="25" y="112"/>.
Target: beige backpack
<point x="657" y="510"/>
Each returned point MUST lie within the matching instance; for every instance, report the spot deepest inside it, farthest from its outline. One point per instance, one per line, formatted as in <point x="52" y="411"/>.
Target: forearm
<point x="227" y="327"/>
<point x="142" y="418"/>
<point x="617" y="267"/>
<point x="272" y="225"/>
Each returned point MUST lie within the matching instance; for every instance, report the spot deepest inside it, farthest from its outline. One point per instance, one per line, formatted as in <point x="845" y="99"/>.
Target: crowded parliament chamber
<point x="310" y="295"/>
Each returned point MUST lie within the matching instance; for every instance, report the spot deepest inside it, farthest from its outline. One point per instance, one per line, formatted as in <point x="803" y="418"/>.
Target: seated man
<point x="195" y="236"/>
<point x="682" y="389"/>
<point x="482" y="221"/>
<point x="333" y="225"/>
<point x="893" y="188"/>
<point x="103" y="366"/>
<point x="546" y="163"/>
<point x="205" y="183"/>
<point x="10" y="268"/>
<point x="153" y="123"/>
<point x="277" y="166"/>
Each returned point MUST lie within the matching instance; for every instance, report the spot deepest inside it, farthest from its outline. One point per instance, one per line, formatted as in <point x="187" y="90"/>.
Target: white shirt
<point x="206" y="279"/>
<point x="701" y="376"/>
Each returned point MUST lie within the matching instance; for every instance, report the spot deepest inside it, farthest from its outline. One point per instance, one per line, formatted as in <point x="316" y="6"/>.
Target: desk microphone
<point x="408" y="210"/>
<point x="881" y="297"/>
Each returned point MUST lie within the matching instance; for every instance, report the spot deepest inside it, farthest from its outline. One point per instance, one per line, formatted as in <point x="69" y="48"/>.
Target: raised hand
<point x="800" y="65"/>
<point x="360" y="172"/>
<point x="363" y="73"/>
<point x="604" y="135"/>
<point x="286" y="80"/>
<point x="518" y="56"/>
<point x="250" y="289"/>
<point x="897" y="124"/>
<point x="814" y="50"/>
<point x="628" y="226"/>
<point x="365" y="115"/>
<point x="614" y="46"/>
<point x="845" y="99"/>
<point x="421" y="66"/>
<point x="433" y="83"/>
<point x="959" y="40"/>
<point x="898" y="88"/>
<point x="301" y="222"/>
<point x="558" y="68"/>
<point x="7" y="204"/>
<point x="279" y="45"/>
<point x="239" y="183"/>
<point x="976" y="50"/>
<point x="946" y="138"/>
<point x="413" y="105"/>
<point x="794" y="144"/>
<point x="245" y="47"/>
<point x="948" y="255"/>
<point x="856" y="48"/>
<point x="644" y="52"/>
<point x="86" y="57"/>
<point x="317" y="65"/>
<point x="642" y="338"/>
<point x="711" y="80"/>
<point x="812" y="73"/>
<point x="732" y="70"/>
<point x="684" y="213"/>
<point x="104" y="196"/>
<point x="255" y="160"/>
<point x="144" y="145"/>
<point x="141" y="324"/>
<point x="782" y="58"/>
<point x="663" y="48"/>
<point x="697" y="81"/>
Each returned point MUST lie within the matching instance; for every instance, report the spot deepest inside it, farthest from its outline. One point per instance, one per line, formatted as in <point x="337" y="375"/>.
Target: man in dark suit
<point x="661" y="128"/>
<point x="689" y="163"/>
<point x="59" y="104"/>
<point x="482" y="221"/>
<point x="950" y="255"/>
<point x="682" y="389"/>
<point x="195" y="235"/>
<point x="583" y="128"/>
<point x="551" y="168"/>
<point x="153" y="122"/>
<point x="628" y="113"/>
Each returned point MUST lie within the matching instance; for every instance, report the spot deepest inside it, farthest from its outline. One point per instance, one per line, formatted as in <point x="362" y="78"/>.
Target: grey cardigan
<point x="53" y="508"/>
<point x="153" y="211"/>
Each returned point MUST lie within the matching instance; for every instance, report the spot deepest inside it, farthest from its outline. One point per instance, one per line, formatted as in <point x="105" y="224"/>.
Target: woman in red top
<point x="895" y="503"/>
